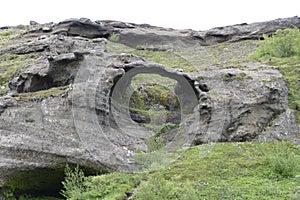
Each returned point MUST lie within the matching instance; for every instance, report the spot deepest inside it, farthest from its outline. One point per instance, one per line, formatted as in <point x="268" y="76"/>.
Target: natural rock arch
<point x="185" y="86"/>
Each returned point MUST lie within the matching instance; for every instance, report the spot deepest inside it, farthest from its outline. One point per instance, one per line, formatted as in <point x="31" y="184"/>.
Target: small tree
<point x="73" y="183"/>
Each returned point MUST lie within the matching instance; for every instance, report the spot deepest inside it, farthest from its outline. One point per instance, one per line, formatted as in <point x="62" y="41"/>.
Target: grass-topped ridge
<point x="283" y="50"/>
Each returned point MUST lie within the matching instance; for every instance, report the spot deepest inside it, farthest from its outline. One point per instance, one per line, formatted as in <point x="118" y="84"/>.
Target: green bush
<point x="114" y="37"/>
<point x="283" y="161"/>
<point x="7" y="32"/>
<point x="73" y="183"/>
<point x="283" y="44"/>
<point x="8" y="194"/>
<point x="112" y="186"/>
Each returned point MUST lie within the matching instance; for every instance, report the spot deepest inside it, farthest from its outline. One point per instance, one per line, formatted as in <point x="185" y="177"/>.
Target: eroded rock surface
<point x="61" y="109"/>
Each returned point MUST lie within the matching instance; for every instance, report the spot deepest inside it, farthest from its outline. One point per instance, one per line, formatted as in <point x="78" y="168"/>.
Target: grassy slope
<point x="220" y="171"/>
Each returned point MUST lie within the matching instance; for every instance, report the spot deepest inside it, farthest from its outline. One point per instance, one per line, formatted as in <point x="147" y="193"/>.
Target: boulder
<point x="82" y="27"/>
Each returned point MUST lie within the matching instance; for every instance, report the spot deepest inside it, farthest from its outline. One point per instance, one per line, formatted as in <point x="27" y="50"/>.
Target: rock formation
<point x="67" y="105"/>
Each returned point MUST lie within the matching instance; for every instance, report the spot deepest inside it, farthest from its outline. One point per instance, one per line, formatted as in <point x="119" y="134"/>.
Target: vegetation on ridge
<point x="283" y="50"/>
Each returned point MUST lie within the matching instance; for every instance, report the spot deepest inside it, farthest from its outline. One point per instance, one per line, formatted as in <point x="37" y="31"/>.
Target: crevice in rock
<point x="61" y="72"/>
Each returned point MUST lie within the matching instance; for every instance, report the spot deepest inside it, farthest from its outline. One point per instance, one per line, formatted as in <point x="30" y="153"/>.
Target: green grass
<point x="54" y="91"/>
<point x="140" y="79"/>
<point x="220" y="171"/>
<point x="225" y="55"/>
<point x="168" y="59"/>
<point x="5" y="33"/>
<point x="110" y="186"/>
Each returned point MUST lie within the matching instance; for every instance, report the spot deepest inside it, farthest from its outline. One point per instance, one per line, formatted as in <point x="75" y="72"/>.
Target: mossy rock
<point x="9" y="66"/>
<point x="52" y="92"/>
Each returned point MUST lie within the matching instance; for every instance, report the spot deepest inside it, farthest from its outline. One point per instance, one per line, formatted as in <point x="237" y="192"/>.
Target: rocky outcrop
<point x="141" y="36"/>
<point x="82" y="27"/>
<point x="72" y="104"/>
<point x="246" y="31"/>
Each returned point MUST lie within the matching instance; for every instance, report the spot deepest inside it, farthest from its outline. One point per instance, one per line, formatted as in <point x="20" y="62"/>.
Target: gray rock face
<point x="88" y="121"/>
<point x="243" y="110"/>
<point x="82" y="27"/>
<point x="247" y="31"/>
<point x="138" y="35"/>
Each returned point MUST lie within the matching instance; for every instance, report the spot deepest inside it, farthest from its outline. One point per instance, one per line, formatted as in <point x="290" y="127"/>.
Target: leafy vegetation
<point x="5" y="33"/>
<point x="283" y="44"/>
<point x="108" y="186"/>
<point x="73" y="183"/>
<point x="282" y="50"/>
<point x="228" y="171"/>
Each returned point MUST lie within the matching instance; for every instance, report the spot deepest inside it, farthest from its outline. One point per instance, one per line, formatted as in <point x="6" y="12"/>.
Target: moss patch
<point x="54" y="92"/>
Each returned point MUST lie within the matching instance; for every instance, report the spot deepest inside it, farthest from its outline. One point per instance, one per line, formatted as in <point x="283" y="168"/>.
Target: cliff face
<point x="66" y="91"/>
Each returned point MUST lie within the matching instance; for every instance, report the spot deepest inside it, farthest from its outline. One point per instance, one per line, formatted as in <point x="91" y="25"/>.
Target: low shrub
<point x="73" y="183"/>
<point x="284" y="43"/>
<point x="283" y="161"/>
